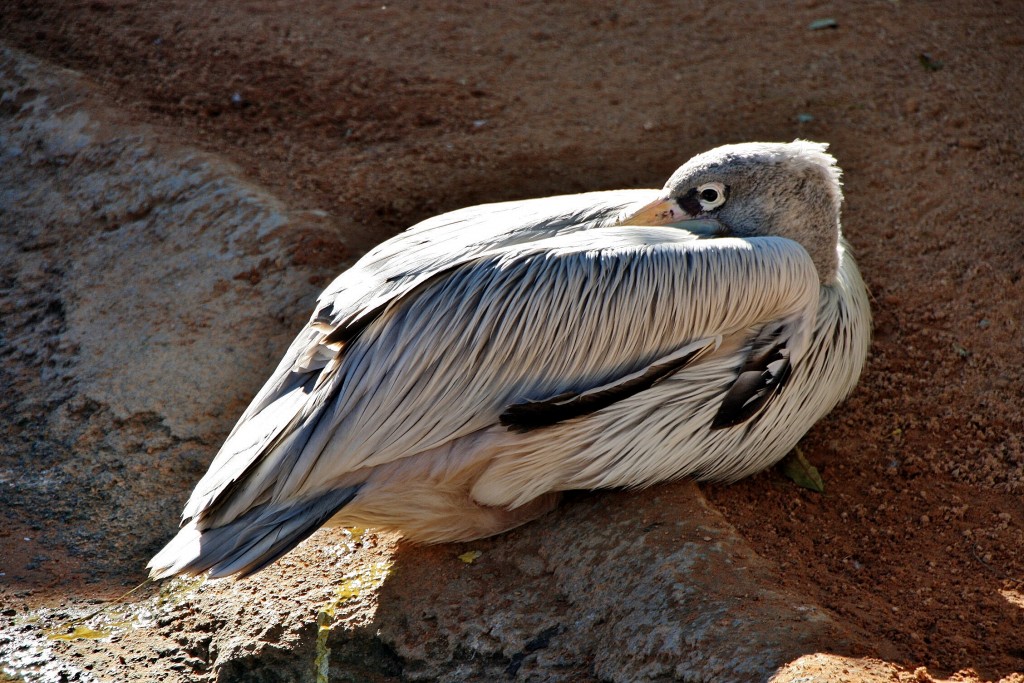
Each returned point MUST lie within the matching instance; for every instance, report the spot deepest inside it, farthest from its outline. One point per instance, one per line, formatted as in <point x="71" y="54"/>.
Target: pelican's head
<point x="753" y="189"/>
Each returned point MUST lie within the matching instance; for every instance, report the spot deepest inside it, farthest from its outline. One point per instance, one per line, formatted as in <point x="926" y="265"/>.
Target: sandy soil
<point x="387" y="114"/>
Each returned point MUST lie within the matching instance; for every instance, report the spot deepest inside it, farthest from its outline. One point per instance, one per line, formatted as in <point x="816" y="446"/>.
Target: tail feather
<point x="250" y="440"/>
<point x="248" y="543"/>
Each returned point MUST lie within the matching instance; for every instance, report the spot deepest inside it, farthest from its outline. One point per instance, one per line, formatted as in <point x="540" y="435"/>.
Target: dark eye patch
<point x="690" y="203"/>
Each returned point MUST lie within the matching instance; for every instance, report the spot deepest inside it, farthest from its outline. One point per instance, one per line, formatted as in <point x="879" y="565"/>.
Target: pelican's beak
<point x="665" y="211"/>
<point x="662" y="211"/>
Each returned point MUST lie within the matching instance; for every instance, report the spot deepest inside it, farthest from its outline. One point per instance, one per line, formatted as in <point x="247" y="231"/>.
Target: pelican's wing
<point x="434" y="246"/>
<point x="387" y="273"/>
<point x="563" y="316"/>
<point x="457" y="237"/>
<point x="580" y="318"/>
<point x="534" y="414"/>
<point x="767" y="368"/>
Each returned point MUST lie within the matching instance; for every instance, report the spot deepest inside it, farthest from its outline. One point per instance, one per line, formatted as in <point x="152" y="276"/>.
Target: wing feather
<point x="523" y="322"/>
<point x="531" y="415"/>
<point x="566" y="314"/>
<point x="386" y="274"/>
<point x="764" y="373"/>
<point x="401" y="264"/>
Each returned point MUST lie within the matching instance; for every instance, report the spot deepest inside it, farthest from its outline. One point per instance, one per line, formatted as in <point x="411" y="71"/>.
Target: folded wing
<point x="580" y="314"/>
<point x="299" y="385"/>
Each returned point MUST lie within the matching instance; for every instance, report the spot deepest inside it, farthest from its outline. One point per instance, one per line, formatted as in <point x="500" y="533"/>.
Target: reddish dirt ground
<point x="390" y="113"/>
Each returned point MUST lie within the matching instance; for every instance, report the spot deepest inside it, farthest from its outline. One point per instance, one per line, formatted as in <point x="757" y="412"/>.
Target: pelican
<point x="461" y="375"/>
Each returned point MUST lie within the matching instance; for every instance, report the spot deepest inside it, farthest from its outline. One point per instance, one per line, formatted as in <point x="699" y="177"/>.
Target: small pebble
<point x="819" y="24"/>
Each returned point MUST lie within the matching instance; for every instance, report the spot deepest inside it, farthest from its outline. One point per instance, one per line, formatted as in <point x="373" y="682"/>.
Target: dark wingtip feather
<point x="757" y="384"/>
<point x="249" y="543"/>
<point x="523" y="417"/>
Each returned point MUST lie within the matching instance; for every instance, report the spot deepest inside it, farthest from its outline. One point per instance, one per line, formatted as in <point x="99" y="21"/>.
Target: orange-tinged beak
<point x="666" y="211"/>
<point x="662" y="211"/>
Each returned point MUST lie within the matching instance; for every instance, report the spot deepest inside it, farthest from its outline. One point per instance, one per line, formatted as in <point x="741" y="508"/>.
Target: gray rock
<point x="144" y="292"/>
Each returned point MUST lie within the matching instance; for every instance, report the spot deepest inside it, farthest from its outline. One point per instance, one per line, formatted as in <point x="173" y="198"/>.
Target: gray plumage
<point x="463" y="373"/>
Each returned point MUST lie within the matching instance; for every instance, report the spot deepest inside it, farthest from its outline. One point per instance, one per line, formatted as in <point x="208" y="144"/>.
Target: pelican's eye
<point x="711" y="195"/>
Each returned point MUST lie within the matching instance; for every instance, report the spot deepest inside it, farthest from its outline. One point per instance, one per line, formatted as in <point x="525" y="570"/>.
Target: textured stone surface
<point x="145" y="293"/>
<point x="624" y="587"/>
<point x="165" y="263"/>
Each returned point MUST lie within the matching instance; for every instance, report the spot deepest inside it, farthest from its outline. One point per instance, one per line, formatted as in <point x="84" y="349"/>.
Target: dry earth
<point x="365" y="117"/>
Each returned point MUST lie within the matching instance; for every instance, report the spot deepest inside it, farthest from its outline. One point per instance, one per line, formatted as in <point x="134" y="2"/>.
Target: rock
<point x="147" y="292"/>
<point x="128" y="345"/>
<point x="629" y="591"/>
